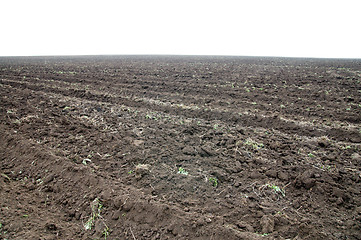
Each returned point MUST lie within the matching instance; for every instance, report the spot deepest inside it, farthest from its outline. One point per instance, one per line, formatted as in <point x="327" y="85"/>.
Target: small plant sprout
<point x="182" y="171"/>
<point x="310" y="155"/>
<point x="106" y="232"/>
<point x="277" y="189"/>
<point x="214" y="181"/>
<point x="325" y="167"/>
<point x="253" y="144"/>
<point x="96" y="207"/>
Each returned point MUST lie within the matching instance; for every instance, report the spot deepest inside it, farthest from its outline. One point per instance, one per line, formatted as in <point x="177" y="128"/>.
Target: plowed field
<point x="166" y="147"/>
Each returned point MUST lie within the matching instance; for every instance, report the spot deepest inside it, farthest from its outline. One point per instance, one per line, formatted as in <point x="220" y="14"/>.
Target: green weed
<point x="96" y="207"/>
<point x="214" y="181"/>
<point x="277" y="189"/>
<point x="255" y="145"/>
<point x="2" y="232"/>
<point x="326" y="167"/>
<point x="182" y="171"/>
<point x="106" y="232"/>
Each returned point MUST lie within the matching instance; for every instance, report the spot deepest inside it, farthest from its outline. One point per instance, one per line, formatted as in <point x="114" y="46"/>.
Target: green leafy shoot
<point x="182" y="171"/>
<point x="277" y="189"/>
<point x="214" y="181"/>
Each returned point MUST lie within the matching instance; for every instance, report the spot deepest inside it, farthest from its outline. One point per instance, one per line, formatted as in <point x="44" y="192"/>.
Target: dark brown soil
<point x="161" y="147"/>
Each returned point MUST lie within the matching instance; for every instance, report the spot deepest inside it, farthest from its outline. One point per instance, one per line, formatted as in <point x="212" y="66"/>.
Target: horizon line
<point x="179" y="55"/>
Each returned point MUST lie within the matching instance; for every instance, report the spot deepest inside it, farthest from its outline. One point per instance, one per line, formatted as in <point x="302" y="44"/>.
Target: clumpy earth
<point x="171" y="147"/>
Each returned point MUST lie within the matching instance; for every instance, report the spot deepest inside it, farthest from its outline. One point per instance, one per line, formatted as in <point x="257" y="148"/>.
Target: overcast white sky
<point x="307" y="28"/>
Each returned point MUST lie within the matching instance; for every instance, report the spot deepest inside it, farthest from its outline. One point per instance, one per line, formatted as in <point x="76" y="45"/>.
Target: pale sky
<point x="304" y="28"/>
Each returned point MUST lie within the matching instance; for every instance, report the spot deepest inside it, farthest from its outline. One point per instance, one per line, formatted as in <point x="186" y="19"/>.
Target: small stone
<point x="339" y="201"/>
<point x="141" y="170"/>
<point x="305" y="220"/>
<point x="206" y="152"/>
<point x="51" y="227"/>
<point x="128" y="206"/>
<point x="49" y="178"/>
<point x="267" y="223"/>
<point x="117" y="202"/>
<point x="77" y="215"/>
<point x="188" y="150"/>
<point x="240" y="129"/>
<point x="271" y="173"/>
<point x="350" y="223"/>
<point x="323" y="143"/>
<point x="246" y="226"/>
<point x="338" y="192"/>
<point x="259" y="161"/>
<point x="255" y="175"/>
<point x="356" y="157"/>
<point x="282" y="176"/>
<point x="100" y="226"/>
<point x="106" y="196"/>
<point x="116" y="215"/>
<point x="358" y="210"/>
<point x="305" y="179"/>
<point x="137" y="143"/>
<point x="200" y="222"/>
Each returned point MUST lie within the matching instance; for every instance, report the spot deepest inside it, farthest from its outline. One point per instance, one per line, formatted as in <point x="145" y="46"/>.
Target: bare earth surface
<point x="162" y="147"/>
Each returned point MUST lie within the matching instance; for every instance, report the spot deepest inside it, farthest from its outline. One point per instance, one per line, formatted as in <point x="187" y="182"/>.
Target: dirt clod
<point x="141" y="170"/>
<point x="306" y="179"/>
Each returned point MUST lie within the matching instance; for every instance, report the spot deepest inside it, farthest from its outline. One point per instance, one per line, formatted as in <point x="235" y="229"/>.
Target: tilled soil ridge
<point x="137" y="147"/>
